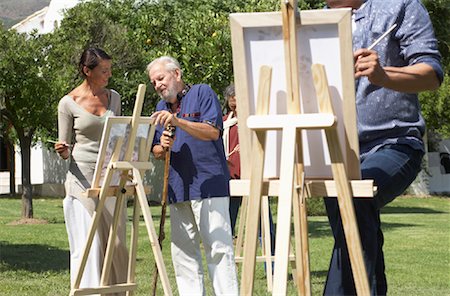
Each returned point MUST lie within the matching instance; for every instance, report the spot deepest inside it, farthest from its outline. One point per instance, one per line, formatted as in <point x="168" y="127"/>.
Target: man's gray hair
<point x="170" y="64"/>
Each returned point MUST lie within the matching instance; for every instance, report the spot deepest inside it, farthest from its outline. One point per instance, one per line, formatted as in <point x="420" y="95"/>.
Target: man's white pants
<point x="207" y="220"/>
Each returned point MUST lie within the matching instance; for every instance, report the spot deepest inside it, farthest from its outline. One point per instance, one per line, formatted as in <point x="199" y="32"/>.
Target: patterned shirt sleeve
<point x="418" y="43"/>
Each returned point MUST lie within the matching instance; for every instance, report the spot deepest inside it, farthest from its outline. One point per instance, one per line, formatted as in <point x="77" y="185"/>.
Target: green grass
<point x="34" y="259"/>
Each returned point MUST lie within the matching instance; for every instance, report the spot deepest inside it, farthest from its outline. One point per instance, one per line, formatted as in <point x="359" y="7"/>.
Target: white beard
<point x="168" y="94"/>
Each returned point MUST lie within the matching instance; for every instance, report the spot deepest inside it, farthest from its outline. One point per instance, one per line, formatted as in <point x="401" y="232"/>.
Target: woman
<point x="231" y="146"/>
<point x="81" y="117"/>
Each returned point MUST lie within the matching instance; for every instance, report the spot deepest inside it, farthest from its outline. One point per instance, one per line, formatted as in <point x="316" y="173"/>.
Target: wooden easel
<point x="130" y="170"/>
<point x="292" y="185"/>
<point x="266" y="238"/>
<point x="260" y="210"/>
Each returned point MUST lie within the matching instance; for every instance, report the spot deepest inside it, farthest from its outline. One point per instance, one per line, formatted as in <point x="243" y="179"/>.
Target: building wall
<point x="48" y="171"/>
<point x="36" y="165"/>
<point x="33" y="22"/>
<point x="439" y="169"/>
<point x="55" y="13"/>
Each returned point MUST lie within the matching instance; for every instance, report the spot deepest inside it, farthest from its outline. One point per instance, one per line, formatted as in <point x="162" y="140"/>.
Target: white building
<point x="46" y="19"/>
<point x="33" y="22"/>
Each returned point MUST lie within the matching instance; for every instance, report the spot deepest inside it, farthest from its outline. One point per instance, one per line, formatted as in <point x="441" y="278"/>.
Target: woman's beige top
<point x="85" y="127"/>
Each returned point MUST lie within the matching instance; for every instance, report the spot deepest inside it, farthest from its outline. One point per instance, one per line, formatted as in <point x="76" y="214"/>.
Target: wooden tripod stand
<point x="292" y="194"/>
<point x="123" y="160"/>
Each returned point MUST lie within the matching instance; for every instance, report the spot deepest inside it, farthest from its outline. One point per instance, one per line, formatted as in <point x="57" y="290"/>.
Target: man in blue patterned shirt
<point x="390" y="126"/>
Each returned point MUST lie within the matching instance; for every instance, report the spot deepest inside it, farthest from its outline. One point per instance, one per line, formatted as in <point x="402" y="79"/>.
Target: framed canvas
<point x="324" y="37"/>
<point x="116" y="127"/>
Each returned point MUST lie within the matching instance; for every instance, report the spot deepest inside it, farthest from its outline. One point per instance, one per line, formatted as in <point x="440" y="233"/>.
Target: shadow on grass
<point x="318" y="229"/>
<point x="319" y="274"/>
<point x="35" y="197"/>
<point x="409" y="210"/>
<point x="32" y="257"/>
<point x="156" y="217"/>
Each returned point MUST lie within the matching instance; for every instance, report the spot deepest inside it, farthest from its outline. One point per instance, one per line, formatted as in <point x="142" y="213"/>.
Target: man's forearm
<point x="411" y="79"/>
<point x="199" y="130"/>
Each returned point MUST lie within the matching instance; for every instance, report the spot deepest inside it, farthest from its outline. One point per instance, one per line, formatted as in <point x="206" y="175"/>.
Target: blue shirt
<point x="386" y="116"/>
<point x="198" y="168"/>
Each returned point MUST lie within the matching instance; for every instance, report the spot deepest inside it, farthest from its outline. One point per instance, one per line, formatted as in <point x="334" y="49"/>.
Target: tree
<point x="436" y="105"/>
<point x="134" y="32"/>
<point x="26" y="97"/>
<point x="197" y="33"/>
<point x="94" y="24"/>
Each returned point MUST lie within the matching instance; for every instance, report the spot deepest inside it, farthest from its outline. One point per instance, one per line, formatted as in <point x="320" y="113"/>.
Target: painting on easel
<point x="115" y="128"/>
<point x="324" y="37"/>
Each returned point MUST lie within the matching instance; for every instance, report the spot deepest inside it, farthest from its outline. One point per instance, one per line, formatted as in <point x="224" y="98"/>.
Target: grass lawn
<point x="34" y="258"/>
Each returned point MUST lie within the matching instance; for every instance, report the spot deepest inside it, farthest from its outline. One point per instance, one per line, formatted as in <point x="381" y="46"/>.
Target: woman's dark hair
<point x="90" y="58"/>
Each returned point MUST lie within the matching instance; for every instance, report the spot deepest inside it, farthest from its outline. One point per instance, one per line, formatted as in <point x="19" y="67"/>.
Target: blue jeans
<point x="235" y="204"/>
<point x="393" y="168"/>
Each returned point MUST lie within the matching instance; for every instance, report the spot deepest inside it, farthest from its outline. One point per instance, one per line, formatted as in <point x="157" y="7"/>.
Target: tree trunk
<point x="12" y="169"/>
<point x="27" y="190"/>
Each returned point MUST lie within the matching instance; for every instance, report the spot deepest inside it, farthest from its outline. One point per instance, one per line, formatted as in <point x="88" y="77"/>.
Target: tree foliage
<point x="196" y="32"/>
<point x="436" y="105"/>
<point x="23" y="83"/>
<point x="25" y="96"/>
<point x="93" y="24"/>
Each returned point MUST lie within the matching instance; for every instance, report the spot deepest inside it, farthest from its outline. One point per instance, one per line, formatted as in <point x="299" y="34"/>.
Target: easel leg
<point x="94" y="226"/>
<point x="347" y="210"/>
<point x="344" y="196"/>
<point x="112" y="238"/>
<point x="131" y="274"/>
<point x="301" y="237"/>
<point x="133" y="244"/>
<point x="284" y="210"/>
<point x="254" y="202"/>
<point x="266" y="240"/>
<point x="153" y="237"/>
<point x="252" y="217"/>
<point x="241" y="226"/>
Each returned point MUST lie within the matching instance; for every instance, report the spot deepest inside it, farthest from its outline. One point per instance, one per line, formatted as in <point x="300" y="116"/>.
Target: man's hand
<point x="166" y="140"/>
<point x="367" y="64"/>
<point x="165" y="118"/>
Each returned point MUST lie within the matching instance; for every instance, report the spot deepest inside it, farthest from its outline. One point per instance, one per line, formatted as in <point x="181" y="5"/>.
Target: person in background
<point x="390" y="125"/>
<point x="231" y="145"/>
<point x="81" y="117"/>
<point x="198" y="180"/>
